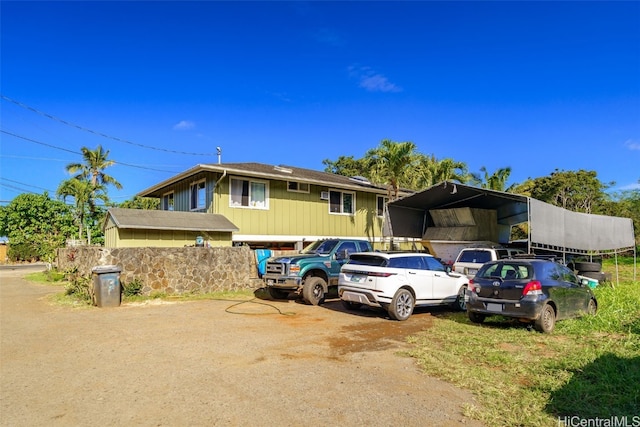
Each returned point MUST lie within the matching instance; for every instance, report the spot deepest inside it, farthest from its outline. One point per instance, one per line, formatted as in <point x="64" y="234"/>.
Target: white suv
<point x="470" y="260"/>
<point x="397" y="282"/>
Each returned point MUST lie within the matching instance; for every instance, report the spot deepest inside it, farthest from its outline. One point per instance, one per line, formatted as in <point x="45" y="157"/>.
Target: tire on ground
<point x="587" y="266"/>
<point x="313" y="290"/>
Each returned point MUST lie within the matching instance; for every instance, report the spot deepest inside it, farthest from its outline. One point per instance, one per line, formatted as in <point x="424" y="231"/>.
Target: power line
<point x="75" y="152"/>
<point x="57" y="119"/>
<point x="22" y="183"/>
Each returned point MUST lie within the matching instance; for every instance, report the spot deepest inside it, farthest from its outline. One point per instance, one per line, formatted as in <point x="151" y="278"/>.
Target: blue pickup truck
<point x="312" y="271"/>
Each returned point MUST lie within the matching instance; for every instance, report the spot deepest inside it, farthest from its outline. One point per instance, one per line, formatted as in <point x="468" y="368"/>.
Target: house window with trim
<point x="297" y="187"/>
<point x="249" y="194"/>
<point x="167" y="201"/>
<point x="198" y="195"/>
<point x="381" y="202"/>
<point x="341" y="202"/>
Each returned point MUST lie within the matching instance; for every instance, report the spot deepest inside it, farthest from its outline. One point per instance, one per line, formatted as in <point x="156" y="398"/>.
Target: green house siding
<point x="297" y="213"/>
<point x="288" y="213"/>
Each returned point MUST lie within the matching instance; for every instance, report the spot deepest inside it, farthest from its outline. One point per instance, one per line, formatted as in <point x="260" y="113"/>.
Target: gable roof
<point x="271" y="172"/>
<point x="168" y="220"/>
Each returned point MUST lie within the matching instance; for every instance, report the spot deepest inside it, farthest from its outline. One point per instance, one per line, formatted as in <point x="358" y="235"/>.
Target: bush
<point x="132" y="288"/>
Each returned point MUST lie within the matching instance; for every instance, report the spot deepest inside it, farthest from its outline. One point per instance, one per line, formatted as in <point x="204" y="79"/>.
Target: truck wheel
<point x="401" y="305"/>
<point x="313" y="290"/>
<point x="278" y="293"/>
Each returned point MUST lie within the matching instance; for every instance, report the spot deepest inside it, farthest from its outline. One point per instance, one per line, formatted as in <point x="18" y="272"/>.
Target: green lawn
<point x="588" y="368"/>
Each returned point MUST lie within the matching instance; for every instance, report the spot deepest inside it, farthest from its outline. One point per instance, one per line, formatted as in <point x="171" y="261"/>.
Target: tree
<point x="578" y="191"/>
<point x="431" y="171"/>
<point x="496" y="181"/>
<point x="36" y="226"/>
<point x="95" y="162"/>
<point x="347" y="166"/>
<point x="149" y="203"/>
<point x="84" y="195"/>
<point x="391" y="162"/>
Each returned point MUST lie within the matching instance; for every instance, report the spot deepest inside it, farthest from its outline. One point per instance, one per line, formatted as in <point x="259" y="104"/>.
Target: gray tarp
<point x="553" y="226"/>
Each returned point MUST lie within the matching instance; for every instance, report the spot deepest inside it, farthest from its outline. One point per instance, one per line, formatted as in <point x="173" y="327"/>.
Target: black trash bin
<point x="106" y="285"/>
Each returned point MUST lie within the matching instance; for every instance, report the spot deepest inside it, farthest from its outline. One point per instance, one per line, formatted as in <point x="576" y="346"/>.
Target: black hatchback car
<point x="537" y="291"/>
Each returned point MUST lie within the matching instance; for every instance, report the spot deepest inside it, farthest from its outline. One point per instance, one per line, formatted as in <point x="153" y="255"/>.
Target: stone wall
<point x="170" y="270"/>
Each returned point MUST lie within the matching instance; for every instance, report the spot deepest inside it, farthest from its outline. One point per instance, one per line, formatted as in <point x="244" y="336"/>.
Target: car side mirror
<point x="448" y="268"/>
<point x="340" y="255"/>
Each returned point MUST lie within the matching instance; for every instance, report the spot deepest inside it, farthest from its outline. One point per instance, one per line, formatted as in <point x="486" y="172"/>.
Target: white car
<point x="398" y="282"/>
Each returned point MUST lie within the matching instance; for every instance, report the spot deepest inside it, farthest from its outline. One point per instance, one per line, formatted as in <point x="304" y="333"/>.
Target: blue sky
<point x="535" y="86"/>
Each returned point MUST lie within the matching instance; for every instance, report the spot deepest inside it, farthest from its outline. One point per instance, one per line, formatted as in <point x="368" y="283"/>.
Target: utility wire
<point x="57" y="119"/>
<point x="77" y="153"/>
<point x="22" y="183"/>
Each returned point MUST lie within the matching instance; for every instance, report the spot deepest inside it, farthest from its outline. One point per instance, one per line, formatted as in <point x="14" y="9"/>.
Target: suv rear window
<point x="373" y="260"/>
<point x="479" y="257"/>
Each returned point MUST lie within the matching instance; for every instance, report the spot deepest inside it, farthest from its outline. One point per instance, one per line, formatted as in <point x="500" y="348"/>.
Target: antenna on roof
<point x="219" y="150"/>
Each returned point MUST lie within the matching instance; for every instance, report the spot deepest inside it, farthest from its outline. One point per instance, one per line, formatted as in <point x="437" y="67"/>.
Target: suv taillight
<point x="534" y="287"/>
<point x="371" y="273"/>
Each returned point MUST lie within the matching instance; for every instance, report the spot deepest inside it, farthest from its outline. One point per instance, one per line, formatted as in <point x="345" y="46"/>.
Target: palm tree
<point x="95" y="162"/>
<point x="390" y="163"/>
<point x="431" y="171"/>
<point x="496" y="181"/>
<point x="84" y="195"/>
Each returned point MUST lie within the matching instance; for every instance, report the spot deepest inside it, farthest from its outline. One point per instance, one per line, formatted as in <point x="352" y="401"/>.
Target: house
<point x="138" y="227"/>
<point x="275" y="207"/>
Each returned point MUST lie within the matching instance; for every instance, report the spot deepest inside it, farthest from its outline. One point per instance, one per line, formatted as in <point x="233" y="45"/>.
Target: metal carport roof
<point x="550" y="227"/>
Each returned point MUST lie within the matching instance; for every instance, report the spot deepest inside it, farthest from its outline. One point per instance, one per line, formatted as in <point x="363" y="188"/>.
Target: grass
<point x="588" y="368"/>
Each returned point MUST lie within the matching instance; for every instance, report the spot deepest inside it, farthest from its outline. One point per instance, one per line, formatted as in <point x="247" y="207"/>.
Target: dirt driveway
<point x="210" y="363"/>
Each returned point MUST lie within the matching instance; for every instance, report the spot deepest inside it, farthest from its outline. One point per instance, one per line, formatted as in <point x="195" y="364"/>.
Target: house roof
<point x="169" y="220"/>
<point x="271" y="172"/>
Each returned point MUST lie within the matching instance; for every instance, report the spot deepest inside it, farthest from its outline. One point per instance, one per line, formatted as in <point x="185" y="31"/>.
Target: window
<point x="167" y="202"/>
<point x="198" y="195"/>
<point x="297" y="187"/>
<point x="382" y="201"/>
<point x="249" y="194"/>
<point x="433" y="264"/>
<point x="341" y="202"/>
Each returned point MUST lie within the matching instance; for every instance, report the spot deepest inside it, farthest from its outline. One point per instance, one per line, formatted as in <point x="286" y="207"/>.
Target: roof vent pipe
<point x="219" y="150"/>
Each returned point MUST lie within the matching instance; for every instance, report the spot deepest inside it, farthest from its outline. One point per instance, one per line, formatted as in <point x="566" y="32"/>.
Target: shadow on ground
<point x="605" y="388"/>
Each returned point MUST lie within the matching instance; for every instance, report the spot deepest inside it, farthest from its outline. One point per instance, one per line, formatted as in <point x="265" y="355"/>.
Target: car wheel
<point x="276" y="293"/>
<point x="461" y="304"/>
<point x="592" y="308"/>
<point x="350" y="305"/>
<point x="476" y="317"/>
<point x="313" y="290"/>
<point x="587" y="266"/>
<point x="401" y="305"/>
<point x="547" y="320"/>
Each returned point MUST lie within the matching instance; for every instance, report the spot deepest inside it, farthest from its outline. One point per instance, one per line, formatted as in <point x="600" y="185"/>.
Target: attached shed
<point x="452" y="212"/>
<point x="127" y="228"/>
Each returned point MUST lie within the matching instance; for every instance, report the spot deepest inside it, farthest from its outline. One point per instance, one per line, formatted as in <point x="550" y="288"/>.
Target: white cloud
<point x="184" y="125"/>
<point x="632" y="145"/>
<point x="372" y="81"/>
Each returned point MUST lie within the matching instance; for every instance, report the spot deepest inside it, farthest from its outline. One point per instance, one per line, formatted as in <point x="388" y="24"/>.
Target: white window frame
<point x="298" y="185"/>
<point x="199" y="205"/>
<point x="169" y="197"/>
<point x="252" y="204"/>
<point x="385" y="200"/>
<point x="342" y="193"/>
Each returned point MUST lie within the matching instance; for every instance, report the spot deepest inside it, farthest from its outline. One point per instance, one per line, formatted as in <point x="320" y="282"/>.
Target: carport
<point x="450" y="212"/>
